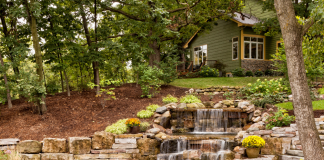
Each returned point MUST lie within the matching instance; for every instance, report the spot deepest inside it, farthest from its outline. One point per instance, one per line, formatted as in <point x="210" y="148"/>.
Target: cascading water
<point x="213" y="149"/>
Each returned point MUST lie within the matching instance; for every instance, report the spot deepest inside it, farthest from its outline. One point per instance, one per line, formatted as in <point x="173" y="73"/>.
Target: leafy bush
<point x="321" y="91"/>
<point x="253" y="142"/>
<point x="268" y="72"/>
<point x="249" y="74"/>
<point x="150" y="81"/>
<point x="206" y="71"/>
<point x="145" y="114"/>
<point x="229" y="95"/>
<point x="169" y="99"/>
<point x="269" y="99"/>
<point x="258" y="73"/>
<point x="119" y="127"/>
<point x="238" y="72"/>
<point x="168" y="67"/>
<point x="220" y="66"/>
<point x="144" y="126"/>
<point x="192" y="75"/>
<point x="190" y="99"/>
<point x="152" y="107"/>
<point x="280" y="118"/>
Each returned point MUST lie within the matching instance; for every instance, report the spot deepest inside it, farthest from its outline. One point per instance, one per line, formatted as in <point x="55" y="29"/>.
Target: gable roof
<point x="242" y="19"/>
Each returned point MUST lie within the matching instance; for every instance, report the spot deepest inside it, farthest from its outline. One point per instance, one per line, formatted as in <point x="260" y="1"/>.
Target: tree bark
<point x="6" y="83"/>
<point x="41" y="108"/>
<point x="67" y="83"/>
<point x="292" y="33"/>
<point x="155" y="58"/>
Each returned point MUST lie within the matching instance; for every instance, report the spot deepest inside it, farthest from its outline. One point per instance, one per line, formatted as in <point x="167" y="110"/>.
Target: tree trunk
<point x="292" y="33"/>
<point x="67" y="83"/>
<point x="183" y="60"/>
<point x="6" y="83"/>
<point x="154" y="59"/>
<point x="41" y="107"/>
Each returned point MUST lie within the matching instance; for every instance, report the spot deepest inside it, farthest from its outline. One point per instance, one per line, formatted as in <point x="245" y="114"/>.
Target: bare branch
<point x="183" y="8"/>
<point x="308" y="24"/>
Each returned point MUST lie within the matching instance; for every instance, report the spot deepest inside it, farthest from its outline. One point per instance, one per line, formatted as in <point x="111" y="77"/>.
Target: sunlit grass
<point x="317" y="105"/>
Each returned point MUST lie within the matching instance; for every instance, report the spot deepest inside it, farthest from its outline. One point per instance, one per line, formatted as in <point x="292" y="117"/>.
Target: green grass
<point x="317" y="105"/>
<point x="216" y="81"/>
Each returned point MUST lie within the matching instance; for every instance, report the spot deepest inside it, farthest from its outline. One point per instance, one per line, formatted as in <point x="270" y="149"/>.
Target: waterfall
<point x="213" y="120"/>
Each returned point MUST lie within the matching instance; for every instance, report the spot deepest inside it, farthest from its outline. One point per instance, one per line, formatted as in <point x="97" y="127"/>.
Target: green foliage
<point x="149" y="80"/>
<point x="192" y="75"/>
<point x="169" y="72"/>
<point x="280" y="118"/>
<point x="169" y="99"/>
<point x="268" y="99"/>
<point x="145" y="114"/>
<point x="206" y="71"/>
<point x="258" y="73"/>
<point x="190" y="99"/>
<point x="108" y="94"/>
<point x="321" y="91"/>
<point x="249" y="74"/>
<point x="317" y="105"/>
<point x="238" y="72"/>
<point x="119" y="127"/>
<point x="268" y="72"/>
<point x="220" y="66"/>
<point x="229" y="95"/>
<point x="144" y="126"/>
<point x="152" y="107"/>
<point x="3" y="156"/>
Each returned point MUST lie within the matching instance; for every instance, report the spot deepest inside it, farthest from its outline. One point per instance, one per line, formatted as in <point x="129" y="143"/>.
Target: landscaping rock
<point x="29" y="156"/>
<point x="153" y="130"/>
<point x="191" y="154"/>
<point x="192" y="105"/>
<point x="166" y="114"/>
<point x="168" y="131"/>
<point x="161" y="110"/>
<point x="182" y="106"/>
<point x="208" y="104"/>
<point x="250" y="109"/>
<point x="102" y="140"/>
<point x="265" y="116"/>
<point x="240" y="134"/>
<point x="156" y="115"/>
<point x="259" y="125"/>
<point x="228" y="102"/>
<point x="79" y="145"/>
<point x="251" y="129"/>
<point x="29" y="146"/>
<point x="54" y="145"/>
<point x="273" y="146"/>
<point x="157" y="120"/>
<point x="256" y="119"/>
<point x="240" y="150"/>
<point x="125" y="140"/>
<point x="171" y="106"/>
<point x="148" y="146"/>
<point x="162" y="129"/>
<point x="124" y="146"/>
<point x="139" y="135"/>
<point x="218" y="105"/>
<point x="160" y="134"/>
<point x="257" y="113"/>
<point x="56" y="156"/>
<point x="243" y="104"/>
<point x="200" y="105"/>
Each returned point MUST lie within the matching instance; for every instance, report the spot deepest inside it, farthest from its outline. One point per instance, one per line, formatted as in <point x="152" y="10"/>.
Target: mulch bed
<point x="81" y="114"/>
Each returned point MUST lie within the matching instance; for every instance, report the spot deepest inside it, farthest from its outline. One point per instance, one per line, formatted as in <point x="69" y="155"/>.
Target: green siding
<point x="218" y="43"/>
<point x="254" y="7"/>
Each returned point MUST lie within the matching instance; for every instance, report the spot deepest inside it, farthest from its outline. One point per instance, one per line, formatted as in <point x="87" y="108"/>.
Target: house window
<point x="200" y="55"/>
<point x="235" y="48"/>
<point x="253" y="48"/>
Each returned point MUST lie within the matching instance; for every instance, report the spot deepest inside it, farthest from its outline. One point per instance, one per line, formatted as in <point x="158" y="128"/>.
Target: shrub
<point x="152" y="107"/>
<point x="133" y="122"/>
<point x="280" y="118"/>
<point x="253" y="142"/>
<point x="249" y="74"/>
<point x="168" y="67"/>
<point x="220" y="66"/>
<point x="321" y="91"/>
<point x="144" y="126"/>
<point x="149" y="80"/>
<point x="268" y="72"/>
<point x="206" y="71"/>
<point x="145" y="114"/>
<point x="258" y="73"/>
<point x="192" y="75"/>
<point x="238" y="72"/>
<point x="119" y="127"/>
<point x="190" y="99"/>
<point x="269" y="99"/>
<point x="169" y="99"/>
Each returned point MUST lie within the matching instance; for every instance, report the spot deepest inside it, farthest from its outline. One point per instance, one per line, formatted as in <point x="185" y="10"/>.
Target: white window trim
<point x="237" y="48"/>
<point x="257" y="48"/>
<point x="194" y="52"/>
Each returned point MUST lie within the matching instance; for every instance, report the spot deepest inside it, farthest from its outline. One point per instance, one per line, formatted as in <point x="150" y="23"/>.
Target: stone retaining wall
<point x="256" y="65"/>
<point x="102" y="145"/>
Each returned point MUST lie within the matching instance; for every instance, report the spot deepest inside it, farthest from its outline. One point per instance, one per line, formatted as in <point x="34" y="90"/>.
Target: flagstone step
<point x="289" y="157"/>
<point x="295" y="153"/>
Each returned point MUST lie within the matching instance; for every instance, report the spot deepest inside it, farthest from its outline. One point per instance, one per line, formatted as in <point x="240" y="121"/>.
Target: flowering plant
<point x="133" y="122"/>
<point x="253" y="142"/>
<point x="280" y="118"/>
<point x="206" y="71"/>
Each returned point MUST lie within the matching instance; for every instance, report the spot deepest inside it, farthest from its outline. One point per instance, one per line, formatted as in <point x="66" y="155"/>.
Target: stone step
<point x="289" y="157"/>
<point x="125" y="140"/>
<point x="11" y="147"/>
<point x="110" y="151"/>
<point x="321" y="137"/>
<point x="264" y="157"/>
<point x="321" y="132"/>
<point x="9" y="141"/>
<point x="103" y="156"/>
<point x="295" y="153"/>
<point x="123" y="146"/>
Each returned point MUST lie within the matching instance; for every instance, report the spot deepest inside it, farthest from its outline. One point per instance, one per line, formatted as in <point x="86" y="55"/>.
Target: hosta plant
<point x="119" y="127"/>
<point x="145" y="114"/>
<point x="169" y="99"/>
<point x="152" y="107"/>
<point x="253" y="142"/>
<point x="144" y="126"/>
<point x="190" y="99"/>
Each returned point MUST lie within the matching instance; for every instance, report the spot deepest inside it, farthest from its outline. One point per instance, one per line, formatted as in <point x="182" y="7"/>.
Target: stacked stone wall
<point x="256" y="65"/>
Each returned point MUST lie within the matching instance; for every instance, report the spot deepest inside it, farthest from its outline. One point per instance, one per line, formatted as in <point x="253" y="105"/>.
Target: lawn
<point x="216" y="81"/>
<point x="317" y="105"/>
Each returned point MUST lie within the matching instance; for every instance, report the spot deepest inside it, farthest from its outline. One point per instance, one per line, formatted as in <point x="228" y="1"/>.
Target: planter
<point x="253" y="152"/>
<point x="134" y="130"/>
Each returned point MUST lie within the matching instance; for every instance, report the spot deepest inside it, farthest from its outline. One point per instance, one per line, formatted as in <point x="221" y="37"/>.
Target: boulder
<point x="171" y="106"/>
<point x="240" y="150"/>
<point x="161" y="110"/>
<point x="200" y="105"/>
<point x="256" y="119"/>
<point x="191" y="90"/>
<point x="162" y="129"/>
<point x="102" y="140"/>
<point x="54" y="145"/>
<point x="250" y="109"/>
<point x="160" y="134"/>
<point x="29" y="157"/>
<point x="168" y="131"/>
<point x="156" y="115"/>
<point x="182" y="106"/>
<point x="191" y="154"/>
<point x="79" y="145"/>
<point x="259" y="125"/>
<point x="228" y="102"/>
<point x="257" y="113"/>
<point x="157" y="120"/>
<point x="192" y="105"/>
<point x="29" y="146"/>
<point x="56" y="156"/>
<point x="240" y="134"/>
<point x="273" y="146"/>
<point x="166" y="114"/>
<point x="209" y="104"/>
<point x="242" y="104"/>
<point x="265" y="116"/>
<point x="148" y="146"/>
<point x="218" y="105"/>
<point x="153" y="130"/>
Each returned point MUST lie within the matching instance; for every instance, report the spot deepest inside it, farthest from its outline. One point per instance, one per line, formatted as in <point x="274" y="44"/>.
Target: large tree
<point x="293" y="33"/>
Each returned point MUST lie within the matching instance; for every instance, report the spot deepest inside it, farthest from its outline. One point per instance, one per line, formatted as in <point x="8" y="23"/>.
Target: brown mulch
<point x="81" y="114"/>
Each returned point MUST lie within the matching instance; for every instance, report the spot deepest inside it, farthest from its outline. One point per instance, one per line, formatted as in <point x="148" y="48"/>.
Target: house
<point x="234" y="43"/>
